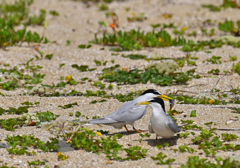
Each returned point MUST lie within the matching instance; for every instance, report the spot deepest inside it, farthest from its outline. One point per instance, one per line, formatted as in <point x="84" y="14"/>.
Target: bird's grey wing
<point x="150" y="129"/>
<point x="105" y="121"/>
<point x="171" y="124"/>
<point x="122" y="108"/>
<point x="129" y="113"/>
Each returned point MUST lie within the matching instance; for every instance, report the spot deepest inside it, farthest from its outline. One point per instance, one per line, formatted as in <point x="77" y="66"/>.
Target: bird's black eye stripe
<point x="151" y="91"/>
<point x="158" y="100"/>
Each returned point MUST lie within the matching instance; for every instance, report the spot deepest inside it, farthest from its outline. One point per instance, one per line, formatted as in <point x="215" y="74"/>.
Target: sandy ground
<point x="78" y="23"/>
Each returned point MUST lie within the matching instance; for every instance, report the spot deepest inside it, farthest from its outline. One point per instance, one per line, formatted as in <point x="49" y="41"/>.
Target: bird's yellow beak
<point x="166" y="98"/>
<point x="143" y="103"/>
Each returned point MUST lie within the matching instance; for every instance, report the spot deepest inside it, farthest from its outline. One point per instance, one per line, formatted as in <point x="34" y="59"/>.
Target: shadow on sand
<point x="131" y="132"/>
<point x="160" y="141"/>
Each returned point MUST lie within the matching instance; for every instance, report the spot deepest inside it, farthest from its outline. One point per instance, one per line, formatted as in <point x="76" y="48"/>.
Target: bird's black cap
<point x="151" y="91"/>
<point x="158" y="100"/>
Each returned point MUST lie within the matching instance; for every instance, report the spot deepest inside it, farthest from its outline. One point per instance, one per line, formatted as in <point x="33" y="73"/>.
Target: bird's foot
<point x="137" y="130"/>
<point x="127" y="129"/>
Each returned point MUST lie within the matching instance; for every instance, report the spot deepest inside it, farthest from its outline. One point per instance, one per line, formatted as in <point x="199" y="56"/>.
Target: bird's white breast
<point x="160" y="127"/>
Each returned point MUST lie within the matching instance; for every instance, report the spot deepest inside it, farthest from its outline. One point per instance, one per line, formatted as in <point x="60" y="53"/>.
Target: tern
<point x="130" y="112"/>
<point x="160" y="123"/>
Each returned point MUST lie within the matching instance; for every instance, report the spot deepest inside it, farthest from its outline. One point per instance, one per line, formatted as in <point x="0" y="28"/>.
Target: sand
<point x="78" y="22"/>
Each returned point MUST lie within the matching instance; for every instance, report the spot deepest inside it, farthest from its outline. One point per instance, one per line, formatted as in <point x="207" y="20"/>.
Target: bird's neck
<point x="157" y="110"/>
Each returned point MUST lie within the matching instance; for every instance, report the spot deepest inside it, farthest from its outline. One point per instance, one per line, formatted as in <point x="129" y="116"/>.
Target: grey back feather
<point x="172" y="125"/>
<point x="128" y="112"/>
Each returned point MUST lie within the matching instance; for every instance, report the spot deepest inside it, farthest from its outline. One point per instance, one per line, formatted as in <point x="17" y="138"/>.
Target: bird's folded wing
<point x="129" y="113"/>
<point x="171" y="124"/>
<point x="125" y="107"/>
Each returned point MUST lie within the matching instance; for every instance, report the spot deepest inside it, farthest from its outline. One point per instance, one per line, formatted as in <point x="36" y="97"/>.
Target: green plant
<point x="68" y="79"/>
<point x="160" y="158"/>
<point x="84" y="139"/>
<point x="212" y="7"/>
<point x="61" y="65"/>
<point x="12" y="110"/>
<point x="68" y="105"/>
<point x="54" y="13"/>
<point x="4" y="165"/>
<point x="40" y="90"/>
<point x="184" y="134"/>
<point x="11" y="123"/>
<point x="228" y="26"/>
<point x="99" y="84"/>
<point x="190" y="62"/>
<point x="139" y="39"/>
<point x="180" y="62"/>
<point x="95" y="101"/>
<point x="230" y="147"/>
<point x="194" y="161"/>
<point x="193" y="113"/>
<point x="27" y="103"/>
<point x="82" y="68"/>
<point x="132" y="95"/>
<point x="103" y="7"/>
<point x="144" y="135"/>
<point x="232" y="58"/>
<point x="211" y="146"/>
<point x="204" y="135"/>
<point x="30" y="118"/>
<point x="135" y="153"/>
<point x="225" y="4"/>
<point x="236" y="68"/>
<point x="68" y="42"/>
<point x="98" y="93"/>
<point x="184" y="148"/>
<point x="215" y="60"/>
<point x="210" y="33"/>
<point x="180" y="32"/>
<point x="202" y="98"/>
<point x="36" y="163"/>
<point x="49" y="56"/>
<point x="33" y="68"/>
<point x="135" y="56"/>
<point x="46" y="116"/>
<point x="19" y="144"/>
<point x="152" y="75"/>
<point x="98" y="63"/>
<point x="214" y="71"/>
<point x="140" y="17"/>
<point x="103" y="132"/>
<point x="188" y="124"/>
<point x="83" y="46"/>
<point x="228" y="137"/>
<point x="61" y="156"/>
<point x="14" y="14"/>
<point x="13" y="77"/>
<point x="79" y="114"/>
<point x="164" y="68"/>
<point x="236" y="110"/>
<point x="110" y="86"/>
<point x="59" y="128"/>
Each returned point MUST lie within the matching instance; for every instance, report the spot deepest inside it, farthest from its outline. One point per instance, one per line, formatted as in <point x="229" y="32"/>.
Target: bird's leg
<point x="171" y="141"/>
<point x="127" y="129"/>
<point x="137" y="130"/>
<point x="156" y="141"/>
